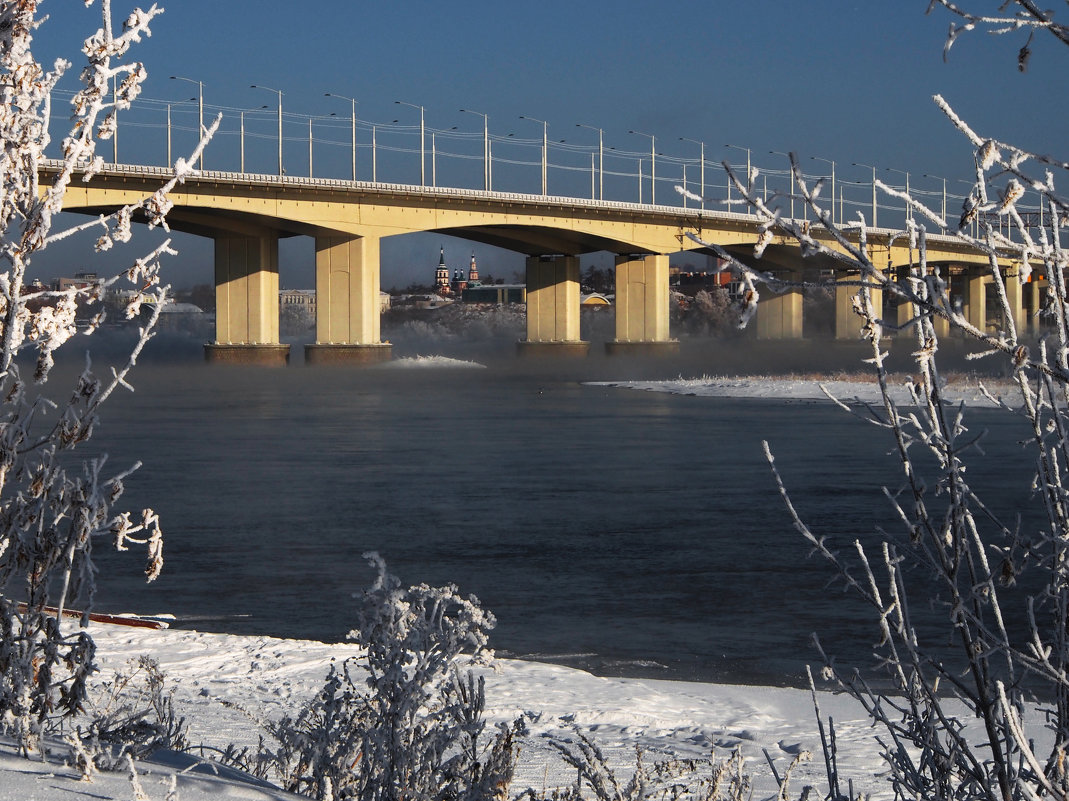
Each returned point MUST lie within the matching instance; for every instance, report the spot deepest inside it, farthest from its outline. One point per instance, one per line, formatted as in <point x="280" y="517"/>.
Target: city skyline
<point x="846" y="83"/>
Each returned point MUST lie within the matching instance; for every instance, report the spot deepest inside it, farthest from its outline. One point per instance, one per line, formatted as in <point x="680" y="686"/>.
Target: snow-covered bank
<point x="807" y="388"/>
<point x="215" y="676"/>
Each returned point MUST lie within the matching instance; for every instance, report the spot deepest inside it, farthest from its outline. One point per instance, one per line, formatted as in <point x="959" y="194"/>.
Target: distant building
<point x="500" y="294"/>
<point x="459" y="283"/>
<point x="303" y="299"/>
<point x="442" y="284"/>
<point x="594" y="299"/>
<point x="80" y="281"/>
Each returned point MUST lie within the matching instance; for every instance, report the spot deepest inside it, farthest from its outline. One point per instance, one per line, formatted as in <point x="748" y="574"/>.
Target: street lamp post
<point x="545" y="148"/>
<point x="601" y="157"/>
<point x="874" y="206"/>
<point x="702" y="166"/>
<point x="422" y="142"/>
<point x="487" y="167"/>
<point x="943" y="213"/>
<point x="242" y="140"/>
<point x="788" y="157"/>
<point x="747" y="150"/>
<point x="310" y="172"/>
<point x="351" y="100"/>
<point x="200" y="131"/>
<point x="909" y="207"/>
<point x="653" y="166"/>
<point x="832" y="163"/>
<point x="279" y="93"/>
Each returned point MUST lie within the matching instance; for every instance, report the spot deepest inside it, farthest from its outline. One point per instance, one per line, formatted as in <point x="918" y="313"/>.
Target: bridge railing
<point x="318" y="150"/>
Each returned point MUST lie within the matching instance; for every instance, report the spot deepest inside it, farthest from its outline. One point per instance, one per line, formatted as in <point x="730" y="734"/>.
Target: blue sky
<point x="846" y="81"/>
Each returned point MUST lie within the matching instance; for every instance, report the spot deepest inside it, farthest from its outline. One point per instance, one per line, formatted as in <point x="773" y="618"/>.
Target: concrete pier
<point x="246" y="301"/>
<point x="553" y="307"/>
<point x="642" y="307"/>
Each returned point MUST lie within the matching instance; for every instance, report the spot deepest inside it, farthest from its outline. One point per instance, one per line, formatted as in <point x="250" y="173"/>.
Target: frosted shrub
<point x="950" y="545"/>
<point x="51" y="511"/>
<point x="402" y="722"/>
<point x="133" y="715"/>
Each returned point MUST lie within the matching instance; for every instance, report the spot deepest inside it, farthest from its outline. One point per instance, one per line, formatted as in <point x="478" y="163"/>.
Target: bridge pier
<point x="975" y="301"/>
<point x="642" y="307"/>
<point x="553" y="307"/>
<point x="779" y="316"/>
<point x="1015" y="296"/>
<point x="246" y="301"/>
<point x="347" y="303"/>
<point x="847" y="322"/>
<point x="1036" y="287"/>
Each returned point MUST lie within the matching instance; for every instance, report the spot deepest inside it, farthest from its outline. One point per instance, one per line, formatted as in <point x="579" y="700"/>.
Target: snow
<point x="422" y="362"/>
<point x="216" y="676"/>
<point x="806" y="389"/>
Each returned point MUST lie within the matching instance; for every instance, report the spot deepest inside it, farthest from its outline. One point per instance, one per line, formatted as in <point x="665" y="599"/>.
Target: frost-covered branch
<point x="52" y="510"/>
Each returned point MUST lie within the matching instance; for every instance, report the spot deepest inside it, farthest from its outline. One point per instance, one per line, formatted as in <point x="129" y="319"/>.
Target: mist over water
<point x="625" y="532"/>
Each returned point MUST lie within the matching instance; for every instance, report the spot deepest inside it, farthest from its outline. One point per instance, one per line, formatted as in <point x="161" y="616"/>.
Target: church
<point x="455" y="286"/>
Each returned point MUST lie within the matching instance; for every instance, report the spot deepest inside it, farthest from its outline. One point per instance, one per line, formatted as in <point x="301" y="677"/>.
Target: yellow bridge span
<point x="246" y="214"/>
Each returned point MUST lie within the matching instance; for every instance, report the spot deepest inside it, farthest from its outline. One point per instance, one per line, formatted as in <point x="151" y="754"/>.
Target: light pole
<point x="702" y="166"/>
<point x="422" y="142"/>
<point x="351" y="100"/>
<point x="788" y="157"/>
<point x="832" y="163"/>
<point x="909" y="207"/>
<point x="279" y="92"/>
<point x="653" y="166"/>
<point x="200" y="131"/>
<point x="739" y="147"/>
<point x="486" y="182"/>
<point x="545" y="148"/>
<point x="874" y="207"/>
<point x="242" y="140"/>
<point x="601" y="157"/>
<point x="169" y="127"/>
<point x="943" y="214"/>
<point x="487" y="168"/>
<point x="310" y="173"/>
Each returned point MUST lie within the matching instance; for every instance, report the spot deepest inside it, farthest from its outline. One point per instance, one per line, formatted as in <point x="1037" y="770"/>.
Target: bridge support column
<point x="347" y="302"/>
<point x="976" y="300"/>
<point x="847" y="322"/>
<point x="779" y="316"/>
<point x="553" y="307"/>
<point x="1036" y="296"/>
<point x="246" y="302"/>
<point x="1015" y="298"/>
<point x="642" y="307"/>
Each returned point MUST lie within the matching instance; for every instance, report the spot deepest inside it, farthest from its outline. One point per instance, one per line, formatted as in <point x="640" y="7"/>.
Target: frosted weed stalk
<point x="948" y="536"/>
<point x="50" y="514"/>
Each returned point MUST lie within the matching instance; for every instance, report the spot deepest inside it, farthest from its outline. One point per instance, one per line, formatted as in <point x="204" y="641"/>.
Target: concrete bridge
<point x="246" y="214"/>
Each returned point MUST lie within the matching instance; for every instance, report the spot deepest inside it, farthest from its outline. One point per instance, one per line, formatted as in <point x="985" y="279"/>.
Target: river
<point x="629" y="533"/>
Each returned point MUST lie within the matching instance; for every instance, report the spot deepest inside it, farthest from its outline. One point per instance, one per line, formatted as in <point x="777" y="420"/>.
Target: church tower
<point x="441" y="276"/>
<point x="473" y="272"/>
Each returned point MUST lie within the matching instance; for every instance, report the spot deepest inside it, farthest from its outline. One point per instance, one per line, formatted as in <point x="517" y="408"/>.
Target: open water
<point x="630" y="533"/>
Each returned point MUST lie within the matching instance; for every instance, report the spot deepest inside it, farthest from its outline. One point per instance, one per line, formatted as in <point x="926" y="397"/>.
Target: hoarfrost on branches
<point x="50" y="512"/>
<point x="961" y="547"/>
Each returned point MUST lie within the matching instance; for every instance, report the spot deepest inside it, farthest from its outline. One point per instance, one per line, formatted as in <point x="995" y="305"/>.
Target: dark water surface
<point x="626" y="532"/>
